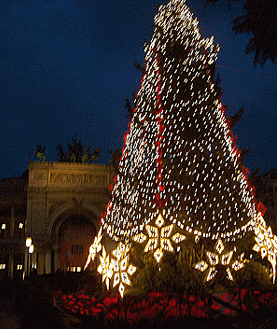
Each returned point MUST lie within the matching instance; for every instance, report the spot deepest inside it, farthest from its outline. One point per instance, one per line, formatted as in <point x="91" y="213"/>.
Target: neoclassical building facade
<point x="61" y="205"/>
<point x="57" y="206"/>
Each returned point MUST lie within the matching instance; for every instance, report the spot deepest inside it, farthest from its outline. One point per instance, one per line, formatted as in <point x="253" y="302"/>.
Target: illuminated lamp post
<point x="28" y="244"/>
<point x="31" y="249"/>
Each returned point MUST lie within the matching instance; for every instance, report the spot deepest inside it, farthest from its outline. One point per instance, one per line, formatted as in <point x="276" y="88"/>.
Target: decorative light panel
<point x="214" y="260"/>
<point x="266" y="243"/>
<point x="95" y="247"/>
<point x="121" y="269"/>
<point x="159" y="238"/>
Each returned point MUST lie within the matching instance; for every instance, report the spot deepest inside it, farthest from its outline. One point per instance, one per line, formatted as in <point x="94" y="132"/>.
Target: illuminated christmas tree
<point x="180" y="174"/>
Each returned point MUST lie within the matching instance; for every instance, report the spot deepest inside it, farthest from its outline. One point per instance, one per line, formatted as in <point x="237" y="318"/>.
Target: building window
<point x="2" y="266"/>
<point x="3" y="226"/>
<point x="74" y="269"/>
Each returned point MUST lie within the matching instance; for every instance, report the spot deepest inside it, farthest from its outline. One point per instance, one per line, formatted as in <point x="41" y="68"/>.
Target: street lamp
<point x="29" y="250"/>
<point x="28" y="242"/>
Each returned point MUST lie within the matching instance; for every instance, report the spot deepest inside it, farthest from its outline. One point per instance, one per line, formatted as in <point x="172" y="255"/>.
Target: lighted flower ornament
<point x="121" y="269"/>
<point x="266" y="243"/>
<point x="219" y="258"/>
<point x="95" y="247"/>
<point x="159" y="238"/>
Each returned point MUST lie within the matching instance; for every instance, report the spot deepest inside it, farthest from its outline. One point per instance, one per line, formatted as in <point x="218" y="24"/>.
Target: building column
<point x="48" y="262"/>
<point x="55" y="258"/>
<point x="11" y="265"/>
<point x="41" y="263"/>
<point x="26" y="253"/>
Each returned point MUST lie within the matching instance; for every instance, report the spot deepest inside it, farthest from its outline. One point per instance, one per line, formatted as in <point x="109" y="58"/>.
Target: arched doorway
<point x="76" y="234"/>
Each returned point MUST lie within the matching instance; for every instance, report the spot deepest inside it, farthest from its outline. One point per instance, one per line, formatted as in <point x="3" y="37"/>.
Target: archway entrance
<point x="76" y="234"/>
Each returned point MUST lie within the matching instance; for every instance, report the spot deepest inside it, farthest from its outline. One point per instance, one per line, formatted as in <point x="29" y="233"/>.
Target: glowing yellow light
<point x="266" y="243"/>
<point x="95" y="247"/>
<point x="237" y="265"/>
<point x="28" y="242"/>
<point x="201" y="266"/>
<point x="211" y="274"/>
<point x="214" y="260"/>
<point x="123" y="263"/>
<point x="159" y="236"/>
<point x="120" y="268"/>
<point x="229" y="276"/>
<point x="178" y="237"/>
<point x="159" y="221"/>
<point x="140" y="238"/>
<point x="151" y="245"/>
<point x="116" y="279"/>
<point x="226" y="258"/>
<point x="166" y="231"/>
<point x="105" y="268"/>
<point x="131" y="269"/>
<point x="166" y="244"/>
<point x="121" y="289"/>
<point x="152" y="231"/>
<point x="31" y="248"/>
<point x="219" y="246"/>
<point x="158" y="254"/>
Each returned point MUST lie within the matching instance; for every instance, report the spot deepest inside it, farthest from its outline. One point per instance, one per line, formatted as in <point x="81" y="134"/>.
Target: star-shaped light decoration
<point x="121" y="269"/>
<point x="159" y="238"/>
<point x="95" y="247"/>
<point x="105" y="268"/>
<point x="266" y="243"/>
<point x="215" y="259"/>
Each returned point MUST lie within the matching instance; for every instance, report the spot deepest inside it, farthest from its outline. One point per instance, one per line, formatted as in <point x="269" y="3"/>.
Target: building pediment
<point x="68" y="175"/>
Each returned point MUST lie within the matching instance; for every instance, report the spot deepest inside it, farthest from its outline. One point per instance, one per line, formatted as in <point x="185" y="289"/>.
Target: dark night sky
<point x="67" y="66"/>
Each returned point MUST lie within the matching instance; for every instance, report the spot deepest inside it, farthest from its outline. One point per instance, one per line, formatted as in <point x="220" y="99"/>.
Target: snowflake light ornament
<point x="266" y="243"/>
<point x="215" y="259"/>
<point x="120" y="267"/>
<point x="105" y="268"/>
<point x="95" y="247"/>
<point x="159" y="238"/>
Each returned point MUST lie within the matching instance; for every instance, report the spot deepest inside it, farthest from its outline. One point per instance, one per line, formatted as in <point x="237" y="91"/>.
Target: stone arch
<point x="63" y="213"/>
<point x="66" y="210"/>
<point x="76" y="234"/>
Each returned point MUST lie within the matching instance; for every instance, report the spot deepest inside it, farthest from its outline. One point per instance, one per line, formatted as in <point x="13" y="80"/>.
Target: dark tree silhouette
<point x="235" y="118"/>
<point x="260" y="22"/>
<point x="76" y="153"/>
<point x="40" y="152"/>
<point x="115" y="158"/>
